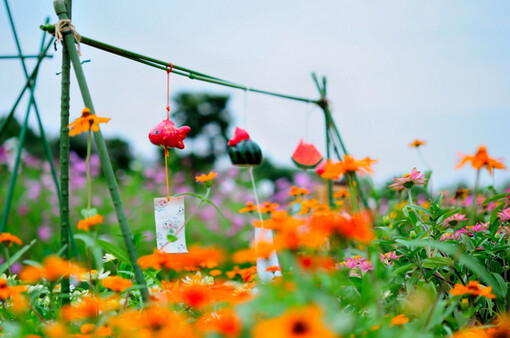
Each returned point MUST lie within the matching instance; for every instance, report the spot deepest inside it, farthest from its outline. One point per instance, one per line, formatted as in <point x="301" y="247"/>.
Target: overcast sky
<point x="397" y="70"/>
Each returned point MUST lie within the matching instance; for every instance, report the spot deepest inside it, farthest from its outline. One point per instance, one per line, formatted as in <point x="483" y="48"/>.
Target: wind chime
<point x="169" y="211"/>
<point x="244" y="152"/>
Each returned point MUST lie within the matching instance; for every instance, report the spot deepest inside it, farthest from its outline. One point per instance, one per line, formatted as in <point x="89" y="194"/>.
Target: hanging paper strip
<point x="170" y="232"/>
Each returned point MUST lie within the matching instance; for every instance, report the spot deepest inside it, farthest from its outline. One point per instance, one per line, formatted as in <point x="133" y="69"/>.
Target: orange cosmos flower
<point x="301" y="322"/>
<point x="196" y="258"/>
<point x="264" y="249"/>
<point x="417" y="143"/>
<point x="249" y="208"/>
<point x="52" y="270"/>
<point x="473" y="288"/>
<point x="279" y="220"/>
<point x="399" y="320"/>
<point x="89" y="307"/>
<point x="116" y="283"/>
<point x="85" y="122"/>
<point x="295" y="191"/>
<point x="316" y="262"/>
<point x="205" y="178"/>
<point x="308" y="205"/>
<point x="90" y="222"/>
<point x="481" y="159"/>
<point x="7" y="291"/>
<point x="7" y="238"/>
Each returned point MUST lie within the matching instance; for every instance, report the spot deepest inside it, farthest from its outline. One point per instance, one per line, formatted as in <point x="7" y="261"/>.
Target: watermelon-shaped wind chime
<point x="245" y="152"/>
<point x="306" y="156"/>
<point x="169" y="211"/>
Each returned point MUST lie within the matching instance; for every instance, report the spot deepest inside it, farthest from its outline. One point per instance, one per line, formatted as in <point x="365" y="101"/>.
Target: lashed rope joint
<point x="66" y="27"/>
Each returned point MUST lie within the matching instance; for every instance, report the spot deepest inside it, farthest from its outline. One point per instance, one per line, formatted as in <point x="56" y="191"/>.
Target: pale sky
<point x="397" y="70"/>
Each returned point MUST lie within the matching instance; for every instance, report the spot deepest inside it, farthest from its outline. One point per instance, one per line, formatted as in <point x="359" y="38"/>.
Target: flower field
<point x="415" y="263"/>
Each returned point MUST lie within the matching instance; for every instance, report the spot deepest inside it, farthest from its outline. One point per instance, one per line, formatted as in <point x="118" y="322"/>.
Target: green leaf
<point x="88" y="213"/>
<point x="455" y="252"/>
<point x="417" y="207"/>
<point x="90" y="243"/>
<point x="494" y="215"/>
<point x="224" y="219"/>
<point x="437" y="262"/>
<point x="494" y="198"/>
<point x="171" y="238"/>
<point x="16" y="256"/>
<point x="502" y="284"/>
<point x="114" y="250"/>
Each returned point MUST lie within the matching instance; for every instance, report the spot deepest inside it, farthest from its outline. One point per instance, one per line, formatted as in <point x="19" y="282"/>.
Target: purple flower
<point x="504" y="215"/>
<point x="44" y="232"/>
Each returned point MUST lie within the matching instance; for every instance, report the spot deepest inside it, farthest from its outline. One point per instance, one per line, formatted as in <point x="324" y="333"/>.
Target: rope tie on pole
<point x="64" y="26"/>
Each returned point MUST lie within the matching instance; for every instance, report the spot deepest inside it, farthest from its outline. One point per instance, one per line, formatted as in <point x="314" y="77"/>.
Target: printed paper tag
<point x="170" y="232"/>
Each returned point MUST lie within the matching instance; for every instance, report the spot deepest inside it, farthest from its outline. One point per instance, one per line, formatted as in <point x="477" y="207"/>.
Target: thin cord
<point x="166" y="172"/>
<point x="168" y="95"/>
<point x="256" y="196"/>
<point x="309" y="109"/>
<point x="245" y="112"/>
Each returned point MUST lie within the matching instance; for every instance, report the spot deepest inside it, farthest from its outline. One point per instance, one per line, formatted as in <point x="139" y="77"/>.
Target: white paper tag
<point x="169" y="217"/>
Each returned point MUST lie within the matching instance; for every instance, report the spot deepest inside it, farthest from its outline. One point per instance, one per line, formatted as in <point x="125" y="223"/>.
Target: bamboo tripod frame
<point x="63" y="10"/>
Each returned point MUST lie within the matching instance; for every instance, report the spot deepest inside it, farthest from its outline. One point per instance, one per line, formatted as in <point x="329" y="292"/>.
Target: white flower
<point x="197" y="279"/>
<point x="108" y="257"/>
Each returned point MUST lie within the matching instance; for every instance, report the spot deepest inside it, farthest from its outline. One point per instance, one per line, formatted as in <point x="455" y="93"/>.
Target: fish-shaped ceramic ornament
<point x="165" y="134"/>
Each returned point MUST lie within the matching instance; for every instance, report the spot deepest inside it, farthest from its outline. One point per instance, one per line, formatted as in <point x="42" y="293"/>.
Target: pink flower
<point x="387" y="257"/>
<point x="408" y="180"/>
<point x="454" y="219"/>
<point x="357" y="262"/>
<point x="504" y="215"/>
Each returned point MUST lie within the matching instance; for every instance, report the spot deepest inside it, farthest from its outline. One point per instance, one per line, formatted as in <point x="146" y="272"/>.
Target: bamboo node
<point x="64" y="26"/>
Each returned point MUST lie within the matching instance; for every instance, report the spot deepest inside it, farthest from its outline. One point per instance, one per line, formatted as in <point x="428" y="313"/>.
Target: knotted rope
<point x="65" y="26"/>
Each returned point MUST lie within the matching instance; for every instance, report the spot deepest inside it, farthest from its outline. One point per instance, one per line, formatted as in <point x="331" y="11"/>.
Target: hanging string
<point x="309" y="109"/>
<point x="245" y="108"/>
<point x="166" y="172"/>
<point x="168" y="92"/>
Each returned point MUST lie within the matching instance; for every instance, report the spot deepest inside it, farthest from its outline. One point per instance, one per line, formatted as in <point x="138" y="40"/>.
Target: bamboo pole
<point x="64" y="159"/>
<point x="60" y="9"/>
<point x="27" y="85"/>
<point x="8" y="57"/>
<point x="178" y="70"/>
<point x="14" y="176"/>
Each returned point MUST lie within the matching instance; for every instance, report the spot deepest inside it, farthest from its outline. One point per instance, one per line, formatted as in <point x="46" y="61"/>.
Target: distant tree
<point x="209" y="120"/>
<point x="32" y="143"/>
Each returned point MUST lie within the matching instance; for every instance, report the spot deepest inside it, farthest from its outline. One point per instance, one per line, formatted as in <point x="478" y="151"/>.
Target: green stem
<point x="104" y="157"/>
<point x="475" y="198"/>
<point x="89" y="183"/>
<point x="353" y="192"/>
<point x="410" y="196"/>
<point x="8" y="259"/>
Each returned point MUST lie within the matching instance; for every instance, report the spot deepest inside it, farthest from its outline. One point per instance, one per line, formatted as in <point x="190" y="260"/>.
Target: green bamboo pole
<point x="323" y="103"/>
<point x="14" y="176"/>
<point x="63" y="161"/>
<point x="102" y="151"/>
<point x="178" y="70"/>
<point x="47" y="149"/>
<point x="7" y="57"/>
<point x="27" y="85"/>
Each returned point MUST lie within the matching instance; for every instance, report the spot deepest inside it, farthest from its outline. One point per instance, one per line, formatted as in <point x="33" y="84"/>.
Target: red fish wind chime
<point x="169" y="212"/>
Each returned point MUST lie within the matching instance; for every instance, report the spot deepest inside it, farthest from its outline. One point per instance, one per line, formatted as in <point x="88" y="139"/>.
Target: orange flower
<point x="85" y="122"/>
<point x="116" y="283"/>
<point x="399" y="320"/>
<point x="215" y="272"/>
<point x="343" y="193"/>
<point x="279" y="220"/>
<point x="264" y="249"/>
<point x="316" y="262"/>
<point x="354" y="227"/>
<point x="349" y="165"/>
<point x="52" y="270"/>
<point x="273" y="268"/>
<point x="7" y="238"/>
<point x="481" y="159"/>
<point x="205" y="178"/>
<point x="244" y="256"/>
<point x="269" y="207"/>
<point x="89" y="307"/>
<point x="195" y="259"/>
<point x="249" y="208"/>
<point x="473" y="288"/>
<point x="417" y="143"/>
<point x="301" y="322"/>
<point x="90" y="222"/>
<point x="307" y="205"/>
<point x="224" y="322"/>
<point x="7" y="291"/>
<point x="295" y="191"/>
